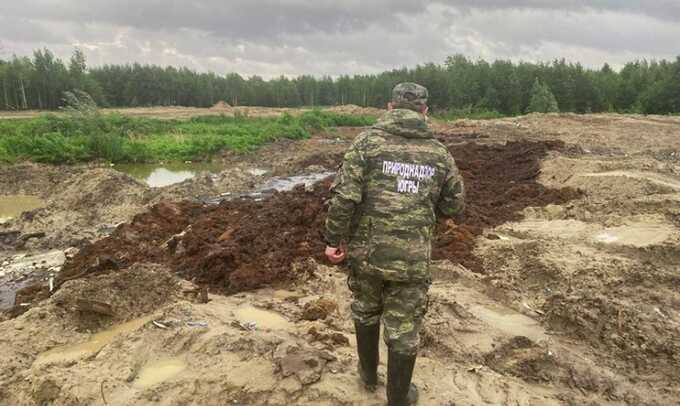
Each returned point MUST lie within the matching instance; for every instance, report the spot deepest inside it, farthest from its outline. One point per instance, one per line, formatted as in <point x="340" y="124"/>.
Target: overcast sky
<point x="320" y="37"/>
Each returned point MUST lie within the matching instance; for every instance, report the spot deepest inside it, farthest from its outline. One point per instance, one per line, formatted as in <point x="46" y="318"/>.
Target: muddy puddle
<point x="263" y="319"/>
<point x="21" y="270"/>
<point x="502" y="321"/>
<point x="635" y="235"/>
<point x="509" y="322"/>
<point x="284" y="184"/>
<point x="73" y="352"/>
<point x="159" y="371"/>
<point x="8" y="291"/>
<point x="275" y="184"/>
<point x="12" y="206"/>
<point x="160" y="175"/>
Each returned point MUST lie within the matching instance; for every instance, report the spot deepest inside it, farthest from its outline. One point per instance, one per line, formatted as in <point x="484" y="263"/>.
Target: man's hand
<point x="335" y="255"/>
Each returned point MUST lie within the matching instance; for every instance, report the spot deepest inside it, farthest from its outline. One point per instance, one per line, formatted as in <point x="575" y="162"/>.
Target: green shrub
<point x="4" y="155"/>
<point x="469" y="112"/>
<point x="319" y="119"/>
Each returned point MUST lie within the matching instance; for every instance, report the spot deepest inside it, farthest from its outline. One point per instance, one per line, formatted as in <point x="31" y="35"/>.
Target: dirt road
<point x="561" y="288"/>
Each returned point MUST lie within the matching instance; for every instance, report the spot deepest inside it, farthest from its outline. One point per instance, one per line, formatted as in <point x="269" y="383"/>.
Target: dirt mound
<point x="221" y="105"/>
<point x="625" y="324"/>
<point x="33" y="179"/>
<point x="354" y="109"/>
<point x="236" y="245"/>
<point x="104" y="299"/>
<point x="242" y="244"/>
<point x="100" y="188"/>
<point x="84" y="207"/>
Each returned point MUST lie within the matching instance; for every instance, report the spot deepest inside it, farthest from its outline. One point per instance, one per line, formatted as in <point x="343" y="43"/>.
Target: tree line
<point x="650" y="87"/>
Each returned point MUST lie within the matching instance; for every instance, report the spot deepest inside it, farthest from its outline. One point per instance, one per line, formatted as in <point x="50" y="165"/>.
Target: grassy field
<point x="92" y="136"/>
<point x="467" y="113"/>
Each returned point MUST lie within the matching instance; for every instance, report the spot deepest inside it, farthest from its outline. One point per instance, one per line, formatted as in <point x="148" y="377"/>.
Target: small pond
<point x="160" y="175"/>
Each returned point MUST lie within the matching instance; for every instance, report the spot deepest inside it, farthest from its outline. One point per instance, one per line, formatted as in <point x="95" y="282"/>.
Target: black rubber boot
<point x="367" y="346"/>
<point x="400" y="390"/>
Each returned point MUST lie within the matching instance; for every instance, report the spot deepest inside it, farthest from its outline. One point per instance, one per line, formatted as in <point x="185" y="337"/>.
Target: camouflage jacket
<point x="394" y="179"/>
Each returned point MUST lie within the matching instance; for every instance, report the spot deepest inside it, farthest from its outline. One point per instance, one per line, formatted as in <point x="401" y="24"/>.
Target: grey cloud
<point x="237" y="19"/>
<point x="332" y="37"/>
<point x="662" y="9"/>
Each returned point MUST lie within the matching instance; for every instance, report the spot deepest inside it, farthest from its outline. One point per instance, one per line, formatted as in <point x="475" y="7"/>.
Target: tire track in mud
<point x="244" y="243"/>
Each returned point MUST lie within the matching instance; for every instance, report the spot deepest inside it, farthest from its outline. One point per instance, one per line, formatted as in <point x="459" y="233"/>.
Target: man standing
<point x="394" y="180"/>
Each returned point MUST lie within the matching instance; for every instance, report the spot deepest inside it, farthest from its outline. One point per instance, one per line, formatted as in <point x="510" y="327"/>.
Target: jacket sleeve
<point x="346" y="194"/>
<point x="452" y="198"/>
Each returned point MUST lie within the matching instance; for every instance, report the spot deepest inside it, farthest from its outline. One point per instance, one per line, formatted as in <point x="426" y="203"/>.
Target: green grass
<point x="469" y="113"/>
<point x="71" y="138"/>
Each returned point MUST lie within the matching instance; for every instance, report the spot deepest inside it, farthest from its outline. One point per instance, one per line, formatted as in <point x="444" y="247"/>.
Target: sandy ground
<point x="577" y="303"/>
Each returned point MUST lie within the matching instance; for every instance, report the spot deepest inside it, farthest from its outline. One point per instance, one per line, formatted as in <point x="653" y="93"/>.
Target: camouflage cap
<point x="409" y="95"/>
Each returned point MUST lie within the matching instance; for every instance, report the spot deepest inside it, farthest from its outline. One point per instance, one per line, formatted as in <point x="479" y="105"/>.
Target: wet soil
<point x="501" y="181"/>
<point x="258" y="347"/>
<point x="244" y="243"/>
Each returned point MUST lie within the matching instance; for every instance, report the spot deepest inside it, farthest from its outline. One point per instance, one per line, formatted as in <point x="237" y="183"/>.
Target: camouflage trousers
<point x="401" y="306"/>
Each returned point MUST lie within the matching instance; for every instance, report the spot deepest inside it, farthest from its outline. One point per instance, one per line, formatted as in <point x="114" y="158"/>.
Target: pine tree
<point x="542" y="99"/>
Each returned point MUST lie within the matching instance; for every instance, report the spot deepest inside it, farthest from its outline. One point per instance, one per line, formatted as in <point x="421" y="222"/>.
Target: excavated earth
<point x="559" y="287"/>
<point x="247" y="243"/>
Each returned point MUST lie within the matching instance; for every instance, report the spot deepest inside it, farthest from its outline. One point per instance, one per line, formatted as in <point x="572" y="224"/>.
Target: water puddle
<point x="23" y="270"/>
<point x="283" y="184"/>
<point x="276" y="184"/>
<point x="23" y="264"/>
<point x="13" y="205"/>
<point x="499" y="322"/>
<point x="264" y="319"/>
<point x="70" y="353"/>
<point x="8" y="290"/>
<point x="160" y="175"/>
<point x="159" y="371"/>
<point x="635" y="235"/>
<point x="509" y="322"/>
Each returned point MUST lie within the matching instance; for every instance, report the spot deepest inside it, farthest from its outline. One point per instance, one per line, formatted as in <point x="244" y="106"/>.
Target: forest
<point x="459" y="84"/>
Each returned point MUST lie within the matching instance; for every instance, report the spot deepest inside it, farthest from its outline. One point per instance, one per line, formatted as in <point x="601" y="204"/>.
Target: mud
<point x="500" y="182"/>
<point x="237" y="245"/>
<point x="294" y="361"/>
<point x="244" y="243"/>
